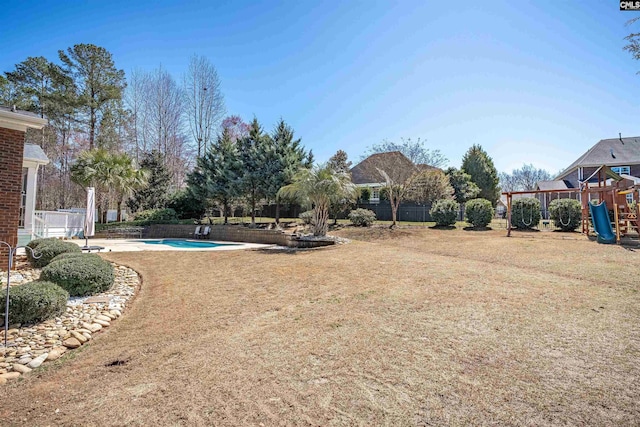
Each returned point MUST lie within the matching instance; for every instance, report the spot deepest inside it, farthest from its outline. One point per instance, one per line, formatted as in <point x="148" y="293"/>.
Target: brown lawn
<point x="405" y="327"/>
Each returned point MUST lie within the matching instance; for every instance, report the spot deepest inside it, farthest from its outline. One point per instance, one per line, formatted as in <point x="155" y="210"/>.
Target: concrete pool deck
<point x="137" y="245"/>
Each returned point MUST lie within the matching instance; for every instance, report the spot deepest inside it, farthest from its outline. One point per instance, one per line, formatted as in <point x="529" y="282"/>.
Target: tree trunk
<point x="277" y="212"/>
<point x="320" y="219"/>
<point x="394" y="211"/>
<point x="253" y="208"/>
<point x="225" y="207"/>
<point x="119" y="214"/>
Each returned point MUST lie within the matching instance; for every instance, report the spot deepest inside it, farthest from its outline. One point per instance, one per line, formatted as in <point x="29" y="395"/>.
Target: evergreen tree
<point x="477" y="163"/>
<point x="34" y="80"/>
<point x="97" y="78"/>
<point x="217" y="173"/>
<point x="463" y="187"/>
<point x="156" y="194"/>
<point x="285" y="156"/>
<point x="254" y="151"/>
<point x="339" y="162"/>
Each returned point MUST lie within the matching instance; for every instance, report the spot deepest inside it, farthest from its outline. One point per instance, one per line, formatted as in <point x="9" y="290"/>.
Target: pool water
<point x="184" y="244"/>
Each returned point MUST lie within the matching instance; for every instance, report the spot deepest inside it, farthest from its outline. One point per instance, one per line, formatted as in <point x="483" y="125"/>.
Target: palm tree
<point x="127" y="179"/>
<point x="319" y="186"/>
<point x="110" y="174"/>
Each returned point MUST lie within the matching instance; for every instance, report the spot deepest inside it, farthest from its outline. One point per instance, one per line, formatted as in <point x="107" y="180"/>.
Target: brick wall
<point x="11" y="152"/>
<point x="230" y="233"/>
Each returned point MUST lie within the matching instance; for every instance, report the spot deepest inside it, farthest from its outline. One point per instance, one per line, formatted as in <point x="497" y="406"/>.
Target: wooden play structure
<point x="610" y="204"/>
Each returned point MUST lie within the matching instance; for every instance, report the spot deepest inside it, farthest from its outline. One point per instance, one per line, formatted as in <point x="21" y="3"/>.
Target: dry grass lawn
<point x="405" y="327"/>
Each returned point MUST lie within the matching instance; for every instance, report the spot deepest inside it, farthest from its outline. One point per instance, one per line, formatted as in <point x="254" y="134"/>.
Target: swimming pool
<point x="185" y="244"/>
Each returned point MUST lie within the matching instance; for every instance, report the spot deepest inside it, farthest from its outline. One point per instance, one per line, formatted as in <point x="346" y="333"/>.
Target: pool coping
<point x="138" y="245"/>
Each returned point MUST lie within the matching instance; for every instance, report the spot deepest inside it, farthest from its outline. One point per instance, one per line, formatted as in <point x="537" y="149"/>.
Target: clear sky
<point x="532" y="82"/>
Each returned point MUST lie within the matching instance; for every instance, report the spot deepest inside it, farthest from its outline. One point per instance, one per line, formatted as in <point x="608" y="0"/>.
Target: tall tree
<point x="205" y="102"/>
<point x="429" y="186"/>
<point x="217" y="174"/>
<point x="633" y="46"/>
<point x="237" y="128"/>
<point x="477" y="163"/>
<point x="34" y="80"/>
<point x="255" y="176"/>
<point x="340" y="161"/>
<point x="319" y="187"/>
<point x="523" y="179"/>
<point x="463" y="187"/>
<point x="413" y="150"/>
<point x="97" y="78"/>
<point x="284" y="156"/>
<point x="156" y="193"/>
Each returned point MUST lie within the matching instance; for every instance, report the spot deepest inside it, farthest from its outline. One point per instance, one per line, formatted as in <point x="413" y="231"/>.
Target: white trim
<point x="20" y="122"/>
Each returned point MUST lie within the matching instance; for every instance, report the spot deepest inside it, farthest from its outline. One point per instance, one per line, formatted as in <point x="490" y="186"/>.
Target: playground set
<point x="610" y="205"/>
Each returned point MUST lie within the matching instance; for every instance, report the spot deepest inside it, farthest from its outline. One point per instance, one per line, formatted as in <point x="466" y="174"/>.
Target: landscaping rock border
<point x="30" y="346"/>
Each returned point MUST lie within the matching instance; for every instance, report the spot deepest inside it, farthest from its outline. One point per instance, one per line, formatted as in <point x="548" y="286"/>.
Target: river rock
<point x="79" y="337"/>
<point x="21" y="368"/>
<point x="101" y="322"/>
<point x="35" y="363"/>
<point x="103" y="318"/>
<point x="71" y="343"/>
<point x="55" y="354"/>
<point x="10" y="375"/>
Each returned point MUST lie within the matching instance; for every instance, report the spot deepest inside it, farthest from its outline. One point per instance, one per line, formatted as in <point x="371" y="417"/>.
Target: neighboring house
<point x="622" y="155"/>
<point x="16" y="194"/>
<point x="365" y="174"/>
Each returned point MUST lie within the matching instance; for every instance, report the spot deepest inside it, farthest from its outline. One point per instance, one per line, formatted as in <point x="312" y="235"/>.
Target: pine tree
<point x="254" y="155"/>
<point x="477" y="163"/>
<point x="97" y="78"/>
<point x="218" y="173"/>
<point x="463" y="187"/>
<point x="156" y="194"/>
<point x="339" y="162"/>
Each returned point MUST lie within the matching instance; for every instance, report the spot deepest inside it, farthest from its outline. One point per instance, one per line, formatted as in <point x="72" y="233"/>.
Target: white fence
<point x="112" y="214"/>
<point x="57" y="224"/>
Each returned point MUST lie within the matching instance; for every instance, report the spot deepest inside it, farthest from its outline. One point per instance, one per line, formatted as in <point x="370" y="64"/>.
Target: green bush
<point x="362" y="217"/>
<point x="444" y="212"/>
<point x="525" y="213"/>
<point x="365" y="194"/>
<point x="478" y="212"/>
<point x="165" y="214"/>
<point x="186" y="205"/>
<point x="306" y="217"/>
<point x="384" y="194"/>
<point x="80" y="276"/>
<point x="566" y="214"/>
<point x="48" y="249"/>
<point x="74" y="255"/>
<point x="34" y="302"/>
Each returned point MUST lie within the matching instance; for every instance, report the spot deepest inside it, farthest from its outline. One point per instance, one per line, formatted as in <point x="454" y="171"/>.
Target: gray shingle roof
<point x="610" y="152"/>
<point x="553" y="185"/>
<point x="24" y="113"/>
<point x="365" y="172"/>
<point x="35" y="153"/>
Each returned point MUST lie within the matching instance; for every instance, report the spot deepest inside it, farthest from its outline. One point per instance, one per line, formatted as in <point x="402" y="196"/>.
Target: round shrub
<point x="478" y="212"/>
<point x="165" y="214"/>
<point x="444" y="212"/>
<point x="34" y="302"/>
<point x="525" y="213"/>
<point x="74" y="255"/>
<point x="566" y="214"/>
<point x="306" y="217"/>
<point x="48" y="249"/>
<point x="80" y="276"/>
<point x="362" y="217"/>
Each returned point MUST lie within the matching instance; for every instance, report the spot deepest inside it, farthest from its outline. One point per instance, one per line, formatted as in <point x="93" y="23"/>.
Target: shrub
<point x="365" y="194"/>
<point x="566" y="214"/>
<point x="80" y="276"/>
<point x="362" y="217"/>
<point x="34" y="302"/>
<point x="306" y="217"/>
<point x="478" y="212"/>
<point x="165" y="214"/>
<point x="48" y="249"/>
<point x="444" y="212"/>
<point x="74" y="255"/>
<point x="525" y="213"/>
<point x="384" y="194"/>
<point x="186" y="205"/>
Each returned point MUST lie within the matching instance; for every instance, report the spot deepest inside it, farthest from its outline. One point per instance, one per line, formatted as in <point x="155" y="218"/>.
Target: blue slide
<point x="601" y="223"/>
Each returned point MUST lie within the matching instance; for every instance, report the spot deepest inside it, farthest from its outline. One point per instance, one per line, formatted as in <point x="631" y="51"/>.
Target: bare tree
<point x="523" y="179"/>
<point x="205" y="102"/>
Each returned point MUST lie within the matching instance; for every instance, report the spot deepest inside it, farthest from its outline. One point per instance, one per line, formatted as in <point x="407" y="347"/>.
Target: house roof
<point x="20" y="120"/>
<point x="553" y="185"/>
<point x="34" y="153"/>
<point x="365" y="172"/>
<point x="610" y="152"/>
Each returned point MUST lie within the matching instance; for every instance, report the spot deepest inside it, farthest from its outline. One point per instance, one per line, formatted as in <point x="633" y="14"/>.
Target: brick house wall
<point x="11" y="153"/>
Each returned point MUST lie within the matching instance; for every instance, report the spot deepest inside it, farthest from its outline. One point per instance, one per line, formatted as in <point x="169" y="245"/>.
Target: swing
<point x="560" y="217"/>
<point x="530" y="217"/>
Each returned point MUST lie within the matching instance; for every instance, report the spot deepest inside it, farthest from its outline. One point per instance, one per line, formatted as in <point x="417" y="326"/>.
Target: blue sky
<point x="532" y="82"/>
